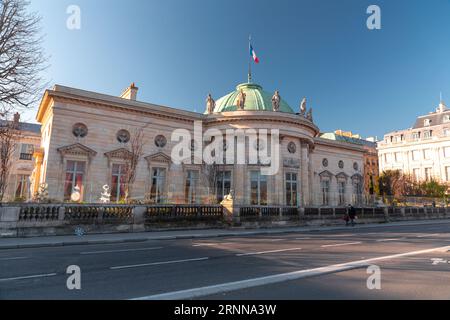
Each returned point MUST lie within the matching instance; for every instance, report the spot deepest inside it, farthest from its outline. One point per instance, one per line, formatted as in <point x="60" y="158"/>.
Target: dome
<point x="256" y="100"/>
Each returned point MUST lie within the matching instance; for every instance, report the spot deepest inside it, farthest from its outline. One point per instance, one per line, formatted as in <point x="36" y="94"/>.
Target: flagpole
<point x="250" y="59"/>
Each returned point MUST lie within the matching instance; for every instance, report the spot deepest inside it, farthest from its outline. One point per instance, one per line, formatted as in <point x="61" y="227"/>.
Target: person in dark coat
<point x="351" y="215"/>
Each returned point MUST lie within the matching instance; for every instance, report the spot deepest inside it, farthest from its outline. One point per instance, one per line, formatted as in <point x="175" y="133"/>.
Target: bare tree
<point x="210" y="174"/>
<point x="22" y="59"/>
<point x="132" y="160"/>
<point x="9" y="136"/>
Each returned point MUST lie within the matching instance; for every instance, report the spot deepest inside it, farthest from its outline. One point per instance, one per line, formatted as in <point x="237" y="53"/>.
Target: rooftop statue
<point x="210" y="104"/>
<point x="309" y="116"/>
<point x="240" y="101"/>
<point x="303" y="107"/>
<point x="276" y="99"/>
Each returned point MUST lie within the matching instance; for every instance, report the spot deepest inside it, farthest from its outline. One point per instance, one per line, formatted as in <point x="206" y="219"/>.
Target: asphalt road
<point x="308" y="265"/>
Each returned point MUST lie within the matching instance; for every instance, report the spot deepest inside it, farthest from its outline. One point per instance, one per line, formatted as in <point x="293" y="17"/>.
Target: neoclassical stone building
<point x="423" y="150"/>
<point x="28" y="140"/>
<point x="86" y="139"/>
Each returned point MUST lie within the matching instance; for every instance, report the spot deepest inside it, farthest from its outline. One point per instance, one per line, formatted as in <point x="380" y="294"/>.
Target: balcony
<point x="26" y="156"/>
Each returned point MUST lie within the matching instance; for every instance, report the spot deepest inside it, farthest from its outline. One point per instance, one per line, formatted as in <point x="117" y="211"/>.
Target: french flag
<point x="253" y="54"/>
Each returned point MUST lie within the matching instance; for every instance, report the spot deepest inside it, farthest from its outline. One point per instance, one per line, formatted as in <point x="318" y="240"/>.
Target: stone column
<point x="239" y="184"/>
<point x="305" y="174"/>
<point x="278" y="180"/>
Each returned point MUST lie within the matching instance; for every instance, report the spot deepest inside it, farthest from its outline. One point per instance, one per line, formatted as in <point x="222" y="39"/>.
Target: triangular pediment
<point x="158" y="157"/>
<point x="326" y="173"/>
<point x="121" y="153"/>
<point x="342" y="175"/>
<point x="77" y="149"/>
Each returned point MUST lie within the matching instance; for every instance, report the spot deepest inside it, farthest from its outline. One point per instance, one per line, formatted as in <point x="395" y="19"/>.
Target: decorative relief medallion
<point x="325" y="162"/>
<point x="341" y="164"/>
<point x="292" y="147"/>
<point x="123" y="136"/>
<point x="80" y="130"/>
<point x="355" y="166"/>
<point x="160" y="141"/>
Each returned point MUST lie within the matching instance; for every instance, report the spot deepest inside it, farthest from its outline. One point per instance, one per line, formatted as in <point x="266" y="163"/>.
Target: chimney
<point x="130" y="93"/>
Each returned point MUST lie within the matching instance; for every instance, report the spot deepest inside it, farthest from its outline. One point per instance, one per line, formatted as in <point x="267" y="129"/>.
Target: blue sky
<point x="177" y="51"/>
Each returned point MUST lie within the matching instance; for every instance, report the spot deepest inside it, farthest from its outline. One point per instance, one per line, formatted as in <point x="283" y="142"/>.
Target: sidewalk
<point x="54" y="241"/>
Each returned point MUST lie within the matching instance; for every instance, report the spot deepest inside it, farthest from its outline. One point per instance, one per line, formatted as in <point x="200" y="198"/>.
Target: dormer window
<point x="427" y="122"/>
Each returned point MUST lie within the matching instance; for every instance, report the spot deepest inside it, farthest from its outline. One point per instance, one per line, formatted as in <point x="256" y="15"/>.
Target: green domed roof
<point x="256" y="100"/>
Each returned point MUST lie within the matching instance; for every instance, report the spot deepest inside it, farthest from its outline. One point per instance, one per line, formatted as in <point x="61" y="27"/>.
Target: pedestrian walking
<point x="351" y="215"/>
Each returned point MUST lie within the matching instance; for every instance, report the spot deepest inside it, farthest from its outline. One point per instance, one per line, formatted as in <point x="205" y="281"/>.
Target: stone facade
<point x="422" y="151"/>
<point x="19" y="182"/>
<point x="84" y="143"/>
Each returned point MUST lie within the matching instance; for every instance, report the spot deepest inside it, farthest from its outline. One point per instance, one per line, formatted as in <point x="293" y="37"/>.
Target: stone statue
<point x="210" y="104"/>
<point x="105" y="195"/>
<point x="42" y="194"/>
<point x="240" y="101"/>
<point x="309" y="115"/>
<point x="230" y="196"/>
<point x="76" y="194"/>
<point x="303" y="107"/>
<point x="276" y="99"/>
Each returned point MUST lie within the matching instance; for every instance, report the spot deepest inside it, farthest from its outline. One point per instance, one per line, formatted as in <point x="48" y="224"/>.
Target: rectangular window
<point x="291" y="189"/>
<point x="416" y="173"/>
<point x="158" y="185"/>
<point x="416" y="136"/>
<point x="223" y="186"/>
<point x="428" y="174"/>
<point x="427" y="134"/>
<point x="191" y="186"/>
<point x="74" y="180"/>
<point x="447" y="152"/>
<point x="357" y="191"/>
<point x="341" y="189"/>
<point x="22" y="186"/>
<point x="118" y="182"/>
<point x="427" y="154"/>
<point x="258" y="186"/>
<point x="447" y="173"/>
<point x="325" y="186"/>
<point x="398" y="157"/>
<point x="388" y="157"/>
<point x="416" y="155"/>
<point x="446" y="132"/>
<point x="26" y="152"/>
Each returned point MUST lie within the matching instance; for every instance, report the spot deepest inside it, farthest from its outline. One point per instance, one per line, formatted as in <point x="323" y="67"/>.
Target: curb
<point x="208" y="236"/>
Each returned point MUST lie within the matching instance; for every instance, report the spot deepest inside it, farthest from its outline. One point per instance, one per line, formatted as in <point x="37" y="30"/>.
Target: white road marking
<point x="158" y="263"/>
<point x="266" y="252"/>
<point x="307" y="238"/>
<point x="276" y="240"/>
<point x="257" y="282"/>
<point x="340" y="244"/>
<point x="385" y="240"/>
<point x="428" y="235"/>
<point x="210" y="244"/>
<point x="122" y="250"/>
<point x="29" y="277"/>
<point x="13" y="258"/>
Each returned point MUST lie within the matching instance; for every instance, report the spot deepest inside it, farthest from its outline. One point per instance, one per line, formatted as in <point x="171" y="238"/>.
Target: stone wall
<point x="41" y="219"/>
